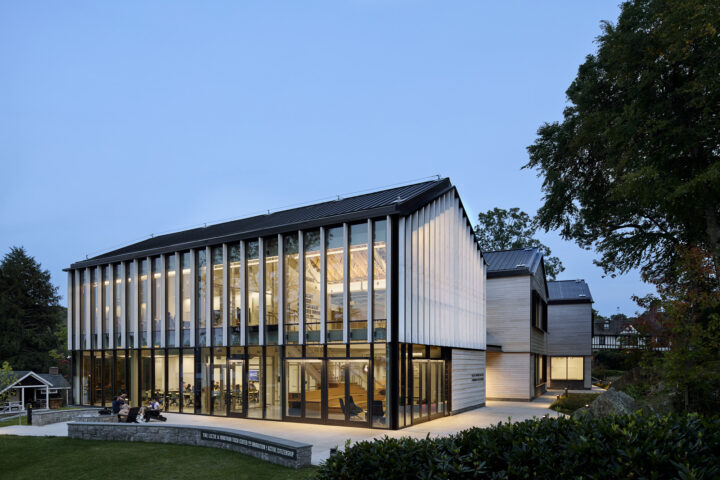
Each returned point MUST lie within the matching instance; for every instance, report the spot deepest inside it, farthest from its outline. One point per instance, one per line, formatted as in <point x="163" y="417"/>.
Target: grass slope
<point x="62" y="458"/>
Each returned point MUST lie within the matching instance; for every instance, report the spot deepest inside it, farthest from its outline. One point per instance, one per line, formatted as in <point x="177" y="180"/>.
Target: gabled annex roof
<point x="399" y="200"/>
<point x="505" y="263"/>
<point x="45" y="379"/>
<point x="569" y="291"/>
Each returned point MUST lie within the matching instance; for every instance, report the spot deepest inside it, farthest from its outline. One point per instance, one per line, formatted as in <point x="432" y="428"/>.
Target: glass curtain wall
<point x="358" y="286"/>
<point x="236" y="364"/>
<point x="253" y="292"/>
<point x="334" y="287"/>
<point x="185" y="291"/>
<point x="85" y="378"/>
<point x="157" y="302"/>
<point x="107" y="377"/>
<point x="205" y="381"/>
<point x="200" y="296"/>
<point x="272" y="289"/>
<point x="107" y="307"/>
<point x="96" y="377"/>
<point x="379" y="405"/>
<point x="217" y="289"/>
<point x="379" y="280"/>
<point x="146" y="383"/>
<point x="235" y="289"/>
<point x="83" y="292"/>
<point x="311" y="246"/>
<point x="291" y="286"/>
<point x="272" y="383"/>
<point x="171" y="301"/>
<point x="117" y="309"/>
<point x="174" y="391"/>
<point x="143" y="303"/>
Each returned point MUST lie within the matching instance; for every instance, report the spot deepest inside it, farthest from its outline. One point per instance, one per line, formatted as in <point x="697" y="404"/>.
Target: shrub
<point x="632" y="446"/>
<point x="573" y="401"/>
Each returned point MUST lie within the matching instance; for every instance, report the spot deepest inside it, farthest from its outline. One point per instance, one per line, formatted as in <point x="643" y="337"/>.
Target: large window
<point x="311" y="245"/>
<point x="143" y="303"/>
<point x="174" y="391"/>
<point x="159" y="378"/>
<point x="334" y="271"/>
<point x="130" y="312"/>
<point x="186" y="291"/>
<point x="200" y="296"/>
<point x="95" y="308"/>
<point x="253" y="292"/>
<point x="235" y="293"/>
<point x="566" y="368"/>
<point x="217" y="288"/>
<point x="272" y="290"/>
<point x="188" y="381"/>
<point x="117" y="309"/>
<point x="171" y="299"/>
<point x="157" y="299"/>
<point x="379" y="279"/>
<point x="358" y="286"/>
<point x="291" y="287"/>
<point x="107" y="307"/>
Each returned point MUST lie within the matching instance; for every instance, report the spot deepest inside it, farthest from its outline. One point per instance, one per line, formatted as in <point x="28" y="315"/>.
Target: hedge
<point x="632" y="446"/>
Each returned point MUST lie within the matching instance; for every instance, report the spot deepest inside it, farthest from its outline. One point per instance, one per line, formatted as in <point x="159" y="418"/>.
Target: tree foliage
<point x="634" y="167"/>
<point x="29" y="313"/>
<point x="500" y="229"/>
<point x="7" y="378"/>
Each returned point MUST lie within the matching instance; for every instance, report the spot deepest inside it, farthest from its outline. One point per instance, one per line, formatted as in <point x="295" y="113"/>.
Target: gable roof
<point x="51" y="380"/>
<point x="569" y="291"/>
<point x="399" y="200"/>
<point x="506" y="263"/>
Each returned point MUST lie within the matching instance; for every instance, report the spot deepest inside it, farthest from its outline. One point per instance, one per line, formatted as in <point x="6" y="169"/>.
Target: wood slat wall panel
<point x="509" y="375"/>
<point x="570" y="329"/>
<point x="538" y="342"/>
<point x="508" y="312"/>
<point x="468" y="378"/>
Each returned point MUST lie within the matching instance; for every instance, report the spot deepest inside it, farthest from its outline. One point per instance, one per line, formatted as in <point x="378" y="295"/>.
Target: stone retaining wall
<point x="271" y="449"/>
<point x="55" y="416"/>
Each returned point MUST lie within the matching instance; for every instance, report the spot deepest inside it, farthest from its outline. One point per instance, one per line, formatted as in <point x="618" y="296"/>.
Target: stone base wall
<point x="55" y="416"/>
<point x="271" y="449"/>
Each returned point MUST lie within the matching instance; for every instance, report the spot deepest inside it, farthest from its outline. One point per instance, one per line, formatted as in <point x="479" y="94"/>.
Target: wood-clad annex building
<point x="516" y="324"/>
<point x="365" y="311"/>
<point x="569" y="343"/>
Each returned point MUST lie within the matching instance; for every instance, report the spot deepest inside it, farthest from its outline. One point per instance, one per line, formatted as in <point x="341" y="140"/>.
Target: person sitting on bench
<point x="128" y="415"/>
<point x="153" y="411"/>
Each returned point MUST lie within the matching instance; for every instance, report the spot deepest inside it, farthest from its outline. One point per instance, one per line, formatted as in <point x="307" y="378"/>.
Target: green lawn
<point x="568" y="404"/>
<point x="65" y="458"/>
<point x="13" y="421"/>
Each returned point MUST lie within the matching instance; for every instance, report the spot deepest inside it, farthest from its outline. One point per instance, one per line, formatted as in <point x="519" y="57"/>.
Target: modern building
<point x="516" y="324"/>
<point x="365" y="311"/>
<point x="569" y="339"/>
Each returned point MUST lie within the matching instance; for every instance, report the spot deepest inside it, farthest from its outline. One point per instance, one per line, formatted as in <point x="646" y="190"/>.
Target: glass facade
<point x="164" y="332"/>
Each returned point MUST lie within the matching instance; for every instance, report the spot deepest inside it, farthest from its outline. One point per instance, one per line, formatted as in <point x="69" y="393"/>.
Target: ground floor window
<point x="566" y="368"/>
<point x="350" y="384"/>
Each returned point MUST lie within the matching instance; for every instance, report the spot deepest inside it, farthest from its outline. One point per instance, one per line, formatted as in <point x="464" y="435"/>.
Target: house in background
<point x="517" y="296"/>
<point x="41" y="389"/>
<point x="569" y="339"/>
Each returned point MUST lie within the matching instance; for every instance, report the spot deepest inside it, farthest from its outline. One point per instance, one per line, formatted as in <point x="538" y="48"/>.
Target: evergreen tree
<point x="29" y="313"/>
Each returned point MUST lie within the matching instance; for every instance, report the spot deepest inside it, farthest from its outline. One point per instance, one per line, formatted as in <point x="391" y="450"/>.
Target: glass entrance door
<point x="236" y="368"/>
<point x="347" y="392"/>
<point x="303" y="392"/>
<point x="428" y="389"/>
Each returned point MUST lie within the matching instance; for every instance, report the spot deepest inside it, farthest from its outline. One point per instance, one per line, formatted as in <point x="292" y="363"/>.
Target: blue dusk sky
<point x="125" y="119"/>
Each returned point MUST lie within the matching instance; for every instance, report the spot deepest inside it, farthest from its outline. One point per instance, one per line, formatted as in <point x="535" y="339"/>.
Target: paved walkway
<point x="325" y="437"/>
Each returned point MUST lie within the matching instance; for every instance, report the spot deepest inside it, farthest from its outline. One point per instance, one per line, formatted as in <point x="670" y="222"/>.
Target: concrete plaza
<point x="324" y="437"/>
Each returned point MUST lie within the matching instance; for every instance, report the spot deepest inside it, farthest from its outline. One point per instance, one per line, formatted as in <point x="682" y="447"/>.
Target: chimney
<point x="54" y="371"/>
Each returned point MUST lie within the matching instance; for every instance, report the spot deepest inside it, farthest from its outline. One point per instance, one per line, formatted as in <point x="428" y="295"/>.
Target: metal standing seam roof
<point x="523" y="261"/>
<point x="398" y="200"/>
<point x="569" y="291"/>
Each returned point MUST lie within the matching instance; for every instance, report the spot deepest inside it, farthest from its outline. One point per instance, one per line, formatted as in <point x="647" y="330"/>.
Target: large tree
<point x="634" y="167"/>
<point x="29" y="313"/>
<point x="500" y="229"/>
